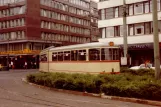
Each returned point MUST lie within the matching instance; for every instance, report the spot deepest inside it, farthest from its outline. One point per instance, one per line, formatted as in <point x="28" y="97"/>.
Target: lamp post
<point x="156" y="40"/>
<point x="125" y="30"/>
<point x="8" y="54"/>
<point x="8" y="40"/>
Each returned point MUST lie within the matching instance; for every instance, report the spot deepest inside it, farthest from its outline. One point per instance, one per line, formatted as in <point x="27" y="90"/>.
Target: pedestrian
<point x="12" y="65"/>
<point x="25" y="65"/>
<point x="35" y="65"/>
<point x="147" y="64"/>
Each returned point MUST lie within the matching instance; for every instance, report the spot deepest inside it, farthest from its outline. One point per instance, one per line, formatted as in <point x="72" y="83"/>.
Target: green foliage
<point x="138" y="72"/>
<point x="130" y="83"/>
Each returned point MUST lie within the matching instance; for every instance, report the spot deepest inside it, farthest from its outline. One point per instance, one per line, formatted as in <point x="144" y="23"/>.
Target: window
<point x="158" y="4"/>
<point x="43" y="57"/>
<point x="54" y="56"/>
<point x="131" y="12"/>
<point x="110" y="32"/>
<point x="67" y="55"/>
<point x="138" y="8"/>
<point x="151" y="27"/>
<point x="105" y="54"/>
<point x="82" y="55"/>
<point x="60" y="56"/>
<point x="147" y="28"/>
<point x="94" y="54"/>
<point x="117" y="30"/>
<point x="139" y="29"/>
<point x="120" y="10"/>
<point x="131" y="29"/>
<point x="109" y="54"/>
<point x="159" y="26"/>
<point x="116" y="10"/>
<point x="121" y="30"/>
<point x="103" y="14"/>
<point x="74" y="55"/>
<point x="115" y="54"/>
<point x="151" y="9"/>
<point x="109" y="13"/>
<point x="146" y="7"/>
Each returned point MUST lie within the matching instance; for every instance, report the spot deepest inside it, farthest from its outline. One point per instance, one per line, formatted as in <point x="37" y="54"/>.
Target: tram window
<point x="94" y="54"/>
<point x="74" y="55"/>
<point x="43" y="57"/>
<point x="60" y="56"/>
<point x="54" y="56"/>
<point x="106" y="54"/>
<point x="82" y="55"/>
<point x="116" y="54"/>
<point x="67" y="55"/>
<point x="109" y="54"/>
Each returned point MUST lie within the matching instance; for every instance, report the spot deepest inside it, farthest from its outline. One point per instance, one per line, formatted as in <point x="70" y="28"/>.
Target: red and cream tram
<point x="82" y="58"/>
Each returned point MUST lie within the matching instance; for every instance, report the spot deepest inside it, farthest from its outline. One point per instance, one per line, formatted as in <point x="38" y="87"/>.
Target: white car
<point x="142" y="66"/>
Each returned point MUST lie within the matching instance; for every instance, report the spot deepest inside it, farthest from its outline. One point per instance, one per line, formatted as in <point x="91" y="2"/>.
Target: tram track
<point x="13" y="93"/>
<point x="44" y="102"/>
<point x="50" y="102"/>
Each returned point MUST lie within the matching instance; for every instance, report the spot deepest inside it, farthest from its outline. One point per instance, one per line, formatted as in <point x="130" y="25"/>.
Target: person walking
<point x="25" y="65"/>
<point x="12" y="66"/>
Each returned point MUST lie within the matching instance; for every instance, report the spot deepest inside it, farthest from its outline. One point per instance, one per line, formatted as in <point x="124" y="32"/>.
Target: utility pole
<point x="8" y="40"/>
<point x="125" y="29"/>
<point x="8" y="54"/>
<point x="156" y="40"/>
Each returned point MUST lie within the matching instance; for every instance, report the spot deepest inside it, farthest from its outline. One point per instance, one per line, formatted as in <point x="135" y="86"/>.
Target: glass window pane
<point x="82" y="55"/>
<point x="54" y="56"/>
<point x="74" y="55"/>
<point x="138" y="8"/>
<point x="67" y="55"/>
<point x="94" y="54"/>
<point x="110" y="32"/>
<point x="60" y="56"/>
<point x="146" y="5"/>
<point x="130" y="9"/>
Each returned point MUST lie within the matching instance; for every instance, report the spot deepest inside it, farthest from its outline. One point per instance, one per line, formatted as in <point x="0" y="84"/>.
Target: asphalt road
<point x="15" y="93"/>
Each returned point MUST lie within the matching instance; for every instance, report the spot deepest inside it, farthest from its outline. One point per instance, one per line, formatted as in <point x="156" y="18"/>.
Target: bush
<point x="138" y="72"/>
<point x="138" y="84"/>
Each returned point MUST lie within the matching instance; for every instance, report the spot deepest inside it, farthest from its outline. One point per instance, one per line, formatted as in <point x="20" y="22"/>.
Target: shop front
<point x="139" y="53"/>
<point x="23" y="59"/>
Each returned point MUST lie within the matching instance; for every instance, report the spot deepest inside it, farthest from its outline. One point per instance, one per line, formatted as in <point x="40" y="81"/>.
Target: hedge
<point x="130" y="83"/>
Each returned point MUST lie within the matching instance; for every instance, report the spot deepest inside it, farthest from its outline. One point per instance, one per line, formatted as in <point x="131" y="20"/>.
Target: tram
<point x="93" y="58"/>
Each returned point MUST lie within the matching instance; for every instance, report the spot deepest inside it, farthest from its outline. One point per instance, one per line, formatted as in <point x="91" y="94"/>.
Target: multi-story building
<point x="95" y="35"/>
<point x="139" y="26"/>
<point x="28" y="26"/>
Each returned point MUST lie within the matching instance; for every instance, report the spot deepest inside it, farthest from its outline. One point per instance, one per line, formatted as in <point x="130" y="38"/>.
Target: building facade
<point x="28" y="26"/>
<point x="95" y="34"/>
<point x="139" y="26"/>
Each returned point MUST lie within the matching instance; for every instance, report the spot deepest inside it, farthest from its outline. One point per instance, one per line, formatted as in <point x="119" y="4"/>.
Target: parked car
<point x="142" y="66"/>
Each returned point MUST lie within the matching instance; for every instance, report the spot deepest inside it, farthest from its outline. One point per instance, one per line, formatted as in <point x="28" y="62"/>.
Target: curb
<point x="125" y="99"/>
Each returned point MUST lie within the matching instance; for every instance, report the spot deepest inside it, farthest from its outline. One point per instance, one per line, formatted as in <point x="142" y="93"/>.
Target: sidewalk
<point x="125" y="99"/>
<point x="12" y="70"/>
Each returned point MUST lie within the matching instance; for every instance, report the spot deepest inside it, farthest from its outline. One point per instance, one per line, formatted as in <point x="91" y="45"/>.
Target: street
<point x="15" y="93"/>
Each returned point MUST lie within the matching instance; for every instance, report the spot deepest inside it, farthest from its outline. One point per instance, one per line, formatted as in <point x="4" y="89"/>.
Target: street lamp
<point x="8" y="39"/>
<point x="156" y="40"/>
<point x="8" y="54"/>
